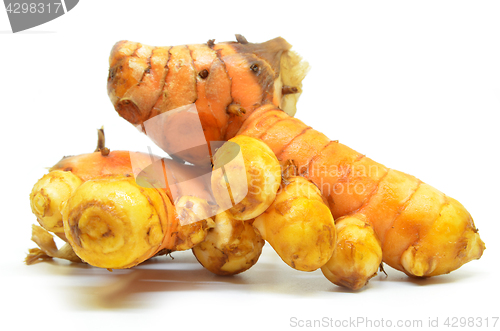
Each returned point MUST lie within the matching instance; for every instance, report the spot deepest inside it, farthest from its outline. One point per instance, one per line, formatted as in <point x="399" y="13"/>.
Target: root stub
<point x="357" y="254"/>
<point x="231" y="247"/>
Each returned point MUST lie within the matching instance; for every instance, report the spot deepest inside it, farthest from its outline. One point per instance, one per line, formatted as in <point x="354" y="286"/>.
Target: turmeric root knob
<point x="113" y="223"/>
<point x="299" y="226"/>
<point x="231" y="247"/>
<point x="48" y="196"/>
<point x="194" y="215"/>
<point x="247" y="172"/>
<point x="357" y="255"/>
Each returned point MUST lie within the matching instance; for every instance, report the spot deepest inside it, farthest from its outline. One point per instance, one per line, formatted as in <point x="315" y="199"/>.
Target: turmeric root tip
<point x="357" y="254"/>
<point x="231" y="247"/>
<point x="451" y="242"/>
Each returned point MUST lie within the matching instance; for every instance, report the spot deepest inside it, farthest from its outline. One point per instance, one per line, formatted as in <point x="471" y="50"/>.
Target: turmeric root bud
<point x="194" y="220"/>
<point x="48" y="196"/>
<point x="231" y="247"/>
<point x="299" y="226"/>
<point x="357" y="255"/>
<point x="246" y="177"/>
<point x="113" y="223"/>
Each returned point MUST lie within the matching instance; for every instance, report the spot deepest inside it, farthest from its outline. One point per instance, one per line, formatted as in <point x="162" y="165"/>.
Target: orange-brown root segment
<point x="203" y="57"/>
<point x="423" y="232"/>
<point x="131" y="68"/>
<point x="180" y="83"/>
<point x="218" y="93"/>
<point x="131" y="164"/>
<point x="92" y="165"/>
<point x="146" y="81"/>
<point x="255" y="75"/>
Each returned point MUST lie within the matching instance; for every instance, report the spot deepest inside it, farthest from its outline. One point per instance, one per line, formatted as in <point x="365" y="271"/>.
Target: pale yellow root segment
<point x="48" y="248"/>
<point x="299" y="225"/>
<point x="357" y="255"/>
<point x="112" y="222"/>
<point x="231" y="247"/>
<point x="48" y="196"/>
<point x="245" y="185"/>
<point x="194" y="220"/>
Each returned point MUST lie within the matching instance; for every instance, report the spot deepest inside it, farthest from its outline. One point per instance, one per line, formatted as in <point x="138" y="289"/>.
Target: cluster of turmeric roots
<point x="318" y="203"/>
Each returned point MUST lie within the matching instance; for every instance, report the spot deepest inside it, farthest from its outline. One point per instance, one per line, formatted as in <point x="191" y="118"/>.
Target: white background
<point x="414" y="85"/>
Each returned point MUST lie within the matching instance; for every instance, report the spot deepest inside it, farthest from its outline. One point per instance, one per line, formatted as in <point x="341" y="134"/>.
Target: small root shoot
<point x="101" y="140"/>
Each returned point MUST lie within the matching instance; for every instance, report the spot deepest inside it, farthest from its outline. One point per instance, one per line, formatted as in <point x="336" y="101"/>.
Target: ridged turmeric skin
<point x="226" y="81"/>
<point x="423" y="232"/>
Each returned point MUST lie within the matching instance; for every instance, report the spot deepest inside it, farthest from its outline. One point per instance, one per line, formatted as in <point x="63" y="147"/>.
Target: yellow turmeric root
<point x="246" y="177"/>
<point x="48" y="196"/>
<point x="226" y="81"/>
<point x="110" y="220"/>
<point x="299" y="225"/>
<point x="231" y="247"/>
<point x="357" y="255"/>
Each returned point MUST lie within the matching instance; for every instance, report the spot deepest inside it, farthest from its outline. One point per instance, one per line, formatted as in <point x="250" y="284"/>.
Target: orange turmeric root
<point x="111" y="221"/>
<point x="422" y="231"/>
<point x="225" y="81"/>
